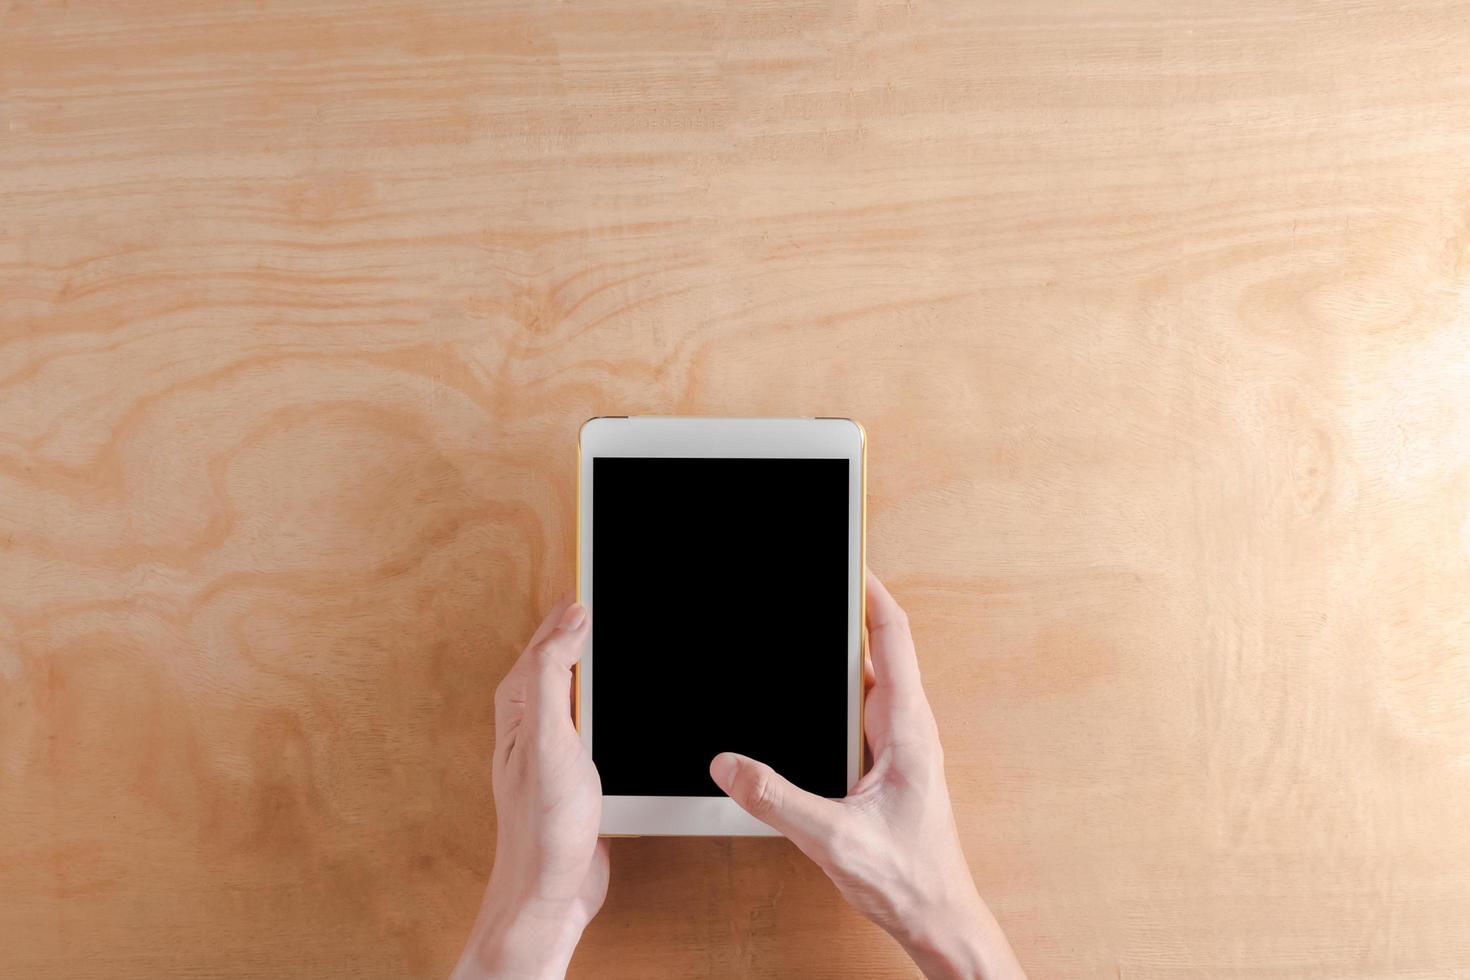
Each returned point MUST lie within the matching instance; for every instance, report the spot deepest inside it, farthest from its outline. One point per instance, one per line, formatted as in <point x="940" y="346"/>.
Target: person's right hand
<point x="891" y="846"/>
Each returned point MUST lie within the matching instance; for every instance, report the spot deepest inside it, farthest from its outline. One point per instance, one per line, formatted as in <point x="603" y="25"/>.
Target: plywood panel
<point x="1156" y="314"/>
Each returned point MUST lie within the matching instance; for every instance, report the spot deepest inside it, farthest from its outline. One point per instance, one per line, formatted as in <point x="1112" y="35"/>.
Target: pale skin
<point x="890" y="846"/>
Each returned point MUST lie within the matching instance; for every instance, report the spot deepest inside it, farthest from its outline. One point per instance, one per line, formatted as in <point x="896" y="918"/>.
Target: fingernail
<point x="573" y="618"/>
<point x="722" y="768"/>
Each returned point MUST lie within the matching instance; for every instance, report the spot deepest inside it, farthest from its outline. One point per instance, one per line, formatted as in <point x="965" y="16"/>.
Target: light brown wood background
<point x="1158" y="315"/>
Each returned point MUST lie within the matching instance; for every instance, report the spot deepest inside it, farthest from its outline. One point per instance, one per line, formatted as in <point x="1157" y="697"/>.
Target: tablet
<point x="722" y="563"/>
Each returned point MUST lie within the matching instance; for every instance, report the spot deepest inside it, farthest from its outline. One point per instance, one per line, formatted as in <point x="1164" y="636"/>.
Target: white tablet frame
<point x="679" y="436"/>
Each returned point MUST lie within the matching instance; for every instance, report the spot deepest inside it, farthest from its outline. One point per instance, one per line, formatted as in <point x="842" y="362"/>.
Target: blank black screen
<point x="719" y="621"/>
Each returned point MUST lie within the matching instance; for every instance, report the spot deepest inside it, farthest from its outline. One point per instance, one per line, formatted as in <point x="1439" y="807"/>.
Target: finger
<point x="553" y="617"/>
<point x="510" y="696"/>
<point x="768" y="796"/>
<point x="890" y="643"/>
<point x="549" y="680"/>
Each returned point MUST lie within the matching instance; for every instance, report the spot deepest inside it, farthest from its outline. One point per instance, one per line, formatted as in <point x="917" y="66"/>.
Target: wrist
<point x="521" y="940"/>
<point x="958" y="939"/>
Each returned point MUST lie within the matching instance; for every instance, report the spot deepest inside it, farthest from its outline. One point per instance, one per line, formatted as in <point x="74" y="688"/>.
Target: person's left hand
<point x="550" y="873"/>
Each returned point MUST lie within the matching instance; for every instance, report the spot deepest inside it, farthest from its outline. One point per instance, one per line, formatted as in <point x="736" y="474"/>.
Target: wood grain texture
<point x="1157" y="315"/>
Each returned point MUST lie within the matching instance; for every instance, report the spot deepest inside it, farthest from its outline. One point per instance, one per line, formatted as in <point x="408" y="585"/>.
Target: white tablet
<point x="722" y="562"/>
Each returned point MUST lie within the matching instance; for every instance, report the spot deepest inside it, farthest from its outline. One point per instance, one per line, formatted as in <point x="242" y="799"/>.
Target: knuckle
<point x="760" y="792"/>
<point x="899" y="630"/>
<point x="903" y="623"/>
<point x="545" y="652"/>
<point x="931" y="768"/>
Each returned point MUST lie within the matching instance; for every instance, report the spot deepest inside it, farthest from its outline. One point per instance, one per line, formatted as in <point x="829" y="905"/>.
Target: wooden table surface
<point x="1157" y="315"/>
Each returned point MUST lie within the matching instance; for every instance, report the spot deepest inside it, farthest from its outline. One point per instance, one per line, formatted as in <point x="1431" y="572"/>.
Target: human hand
<point x="891" y="846"/>
<point x="550" y="873"/>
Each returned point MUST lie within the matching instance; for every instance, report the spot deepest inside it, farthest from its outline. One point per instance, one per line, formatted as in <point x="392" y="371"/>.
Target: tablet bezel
<point x="678" y="436"/>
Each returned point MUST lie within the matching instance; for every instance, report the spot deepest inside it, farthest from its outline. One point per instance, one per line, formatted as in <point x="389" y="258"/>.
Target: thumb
<point x="548" y="702"/>
<point x="771" y="798"/>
